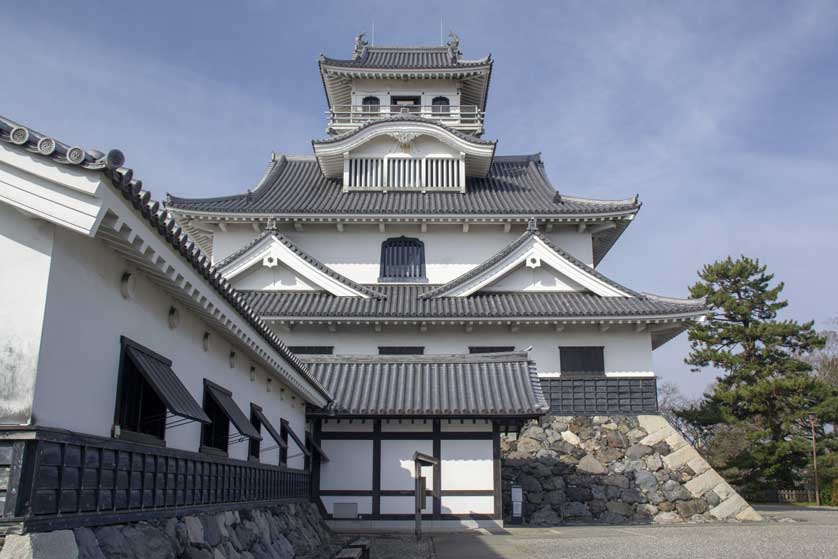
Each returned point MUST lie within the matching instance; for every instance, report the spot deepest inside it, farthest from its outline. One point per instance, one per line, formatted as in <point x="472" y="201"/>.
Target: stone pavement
<point x="789" y="532"/>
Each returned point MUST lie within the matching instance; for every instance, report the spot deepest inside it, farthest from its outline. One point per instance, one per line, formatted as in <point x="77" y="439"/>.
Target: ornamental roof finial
<point x="454" y="45"/>
<point x="360" y="45"/>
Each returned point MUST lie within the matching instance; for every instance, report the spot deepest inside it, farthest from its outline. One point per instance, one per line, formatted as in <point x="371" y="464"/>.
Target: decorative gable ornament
<point x="533" y="261"/>
<point x="405" y="139"/>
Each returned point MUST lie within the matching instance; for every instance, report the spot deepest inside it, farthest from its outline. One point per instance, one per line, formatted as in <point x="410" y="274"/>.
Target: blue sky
<point x="721" y="115"/>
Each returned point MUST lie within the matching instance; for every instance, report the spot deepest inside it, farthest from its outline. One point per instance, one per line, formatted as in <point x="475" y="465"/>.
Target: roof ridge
<point x="701" y="301"/>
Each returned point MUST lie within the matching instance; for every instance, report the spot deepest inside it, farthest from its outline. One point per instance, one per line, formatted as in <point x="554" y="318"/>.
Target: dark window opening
<point x="490" y="348"/>
<point x="312" y="349"/>
<point x="405" y="103"/>
<point x="440" y="105"/>
<point x="254" y="445"/>
<point x="215" y="434"/>
<point x="582" y="360"/>
<point x="283" y="448"/>
<point x="402" y="259"/>
<point x="371" y="104"/>
<point x="400" y="350"/>
<point x="140" y="410"/>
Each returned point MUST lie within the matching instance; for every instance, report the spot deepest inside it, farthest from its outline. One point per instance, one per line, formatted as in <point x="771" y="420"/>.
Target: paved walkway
<point x="812" y="534"/>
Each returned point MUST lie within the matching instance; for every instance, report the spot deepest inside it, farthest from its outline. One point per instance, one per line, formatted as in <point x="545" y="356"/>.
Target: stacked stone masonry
<point x="281" y="532"/>
<point x="614" y="470"/>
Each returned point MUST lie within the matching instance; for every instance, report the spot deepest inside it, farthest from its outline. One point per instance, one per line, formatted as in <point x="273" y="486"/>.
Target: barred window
<point x="312" y="349"/>
<point x="402" y="259"/>
<point x="400" y="350"/>
<point x="582" y="360"/>
<point x="490" y="348"/>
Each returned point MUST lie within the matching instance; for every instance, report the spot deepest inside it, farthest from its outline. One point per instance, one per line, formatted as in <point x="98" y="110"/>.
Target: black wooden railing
<point x="592" y="396"/>
<point x="59" y="479"/>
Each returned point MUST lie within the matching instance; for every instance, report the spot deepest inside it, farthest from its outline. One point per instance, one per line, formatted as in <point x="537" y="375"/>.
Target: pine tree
<point x="767" y="387"/>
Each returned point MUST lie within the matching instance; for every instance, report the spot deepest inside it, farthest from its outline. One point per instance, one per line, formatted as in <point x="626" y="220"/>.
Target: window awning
<point x="293" y="435"/>
<point x="270" y="428"/>
<point x="316" y="447"/>
<point x="224" y="399"/>
<point x="158" y="372"/>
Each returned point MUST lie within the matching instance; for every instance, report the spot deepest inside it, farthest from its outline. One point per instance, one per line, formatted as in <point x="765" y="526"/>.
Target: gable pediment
<point x="531" y="263"/>
<point x="272" y="262"/>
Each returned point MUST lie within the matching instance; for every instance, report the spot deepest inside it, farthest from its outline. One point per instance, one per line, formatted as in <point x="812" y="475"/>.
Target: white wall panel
<point x="349" y="465"/>
<point x="467" y="464"/>
<point x="404" y="505"/>
<point x="452" y="504"/>
<point x="397" y="463"/>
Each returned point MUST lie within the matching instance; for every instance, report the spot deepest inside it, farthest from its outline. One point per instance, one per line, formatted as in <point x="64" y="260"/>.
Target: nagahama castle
<point x="405" y="290"/>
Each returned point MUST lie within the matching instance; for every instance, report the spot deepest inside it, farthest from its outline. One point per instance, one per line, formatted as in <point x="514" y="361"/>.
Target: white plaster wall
<point x="468" y="425"/>
<point x="85" y="316"/>
<point x="356" y="253"/>
<point x="466" y="464"/>
<point x="543" y="278"/>
<point x="404" y="505"/>
<point x="25" y="249"/>
<point x="627" y="352"/>
<point x="276" y="278"/>
<point x="407" y="426"/>
<point x="346" y="426"/>
<point x="423" y="146"/>
<point x="349" y="465"/>
<point x="397" y="463"/>
<point x="456" y="504"/>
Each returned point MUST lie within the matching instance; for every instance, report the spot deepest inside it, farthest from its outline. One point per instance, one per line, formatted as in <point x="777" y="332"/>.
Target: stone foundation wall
<point x="614" y="470"/>
<point x="291" y="530"/>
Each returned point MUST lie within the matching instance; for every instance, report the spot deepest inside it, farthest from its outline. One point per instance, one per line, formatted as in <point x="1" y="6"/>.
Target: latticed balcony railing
<point x="404" y="173"/>
<point x="468" y="118"/>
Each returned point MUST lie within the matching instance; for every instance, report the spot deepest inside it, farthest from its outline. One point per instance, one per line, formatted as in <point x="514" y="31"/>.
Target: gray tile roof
<point x="161" y="220"/>
<point x="479" y="385"/>
<point x="406" y="302"/>
<point x="302" y="254"/>
<point x="532" y="231"/>
<point x="407" y="58"/>
<point x="515" y="186"/>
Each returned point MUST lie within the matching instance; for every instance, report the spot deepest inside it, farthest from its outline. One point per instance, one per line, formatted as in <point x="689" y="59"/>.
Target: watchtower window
<point x="140" y="408"/>
<point x="402" y="259"/>
<point x="440" y="105"/>
<point x="371" y="104"/>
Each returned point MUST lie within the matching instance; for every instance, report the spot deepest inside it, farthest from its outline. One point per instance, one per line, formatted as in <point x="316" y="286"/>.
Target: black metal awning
<point x="224" y="399"/>
<point x="316" y="447"/>
<point x="158" y="372"/>
<point x="270" y="428"/>
<point x="293" y="435"/>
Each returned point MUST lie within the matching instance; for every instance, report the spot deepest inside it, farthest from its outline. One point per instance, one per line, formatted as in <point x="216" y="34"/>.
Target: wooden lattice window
<point x="582" y="360"/>
<point x="402" y="259"/>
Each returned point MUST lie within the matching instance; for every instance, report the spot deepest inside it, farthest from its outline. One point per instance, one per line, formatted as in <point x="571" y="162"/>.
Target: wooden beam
<point x="382" y="228"/>
<point x="424" y="227"/>
<point x="222" y="225"/>
<point x="507" y="227"/>
<point x="298" y="226"/>
<point x="581" y="227"/>
<point x="256" y="227"/>
<point x="340" y="227"/>
<point x="465" y="227"/>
